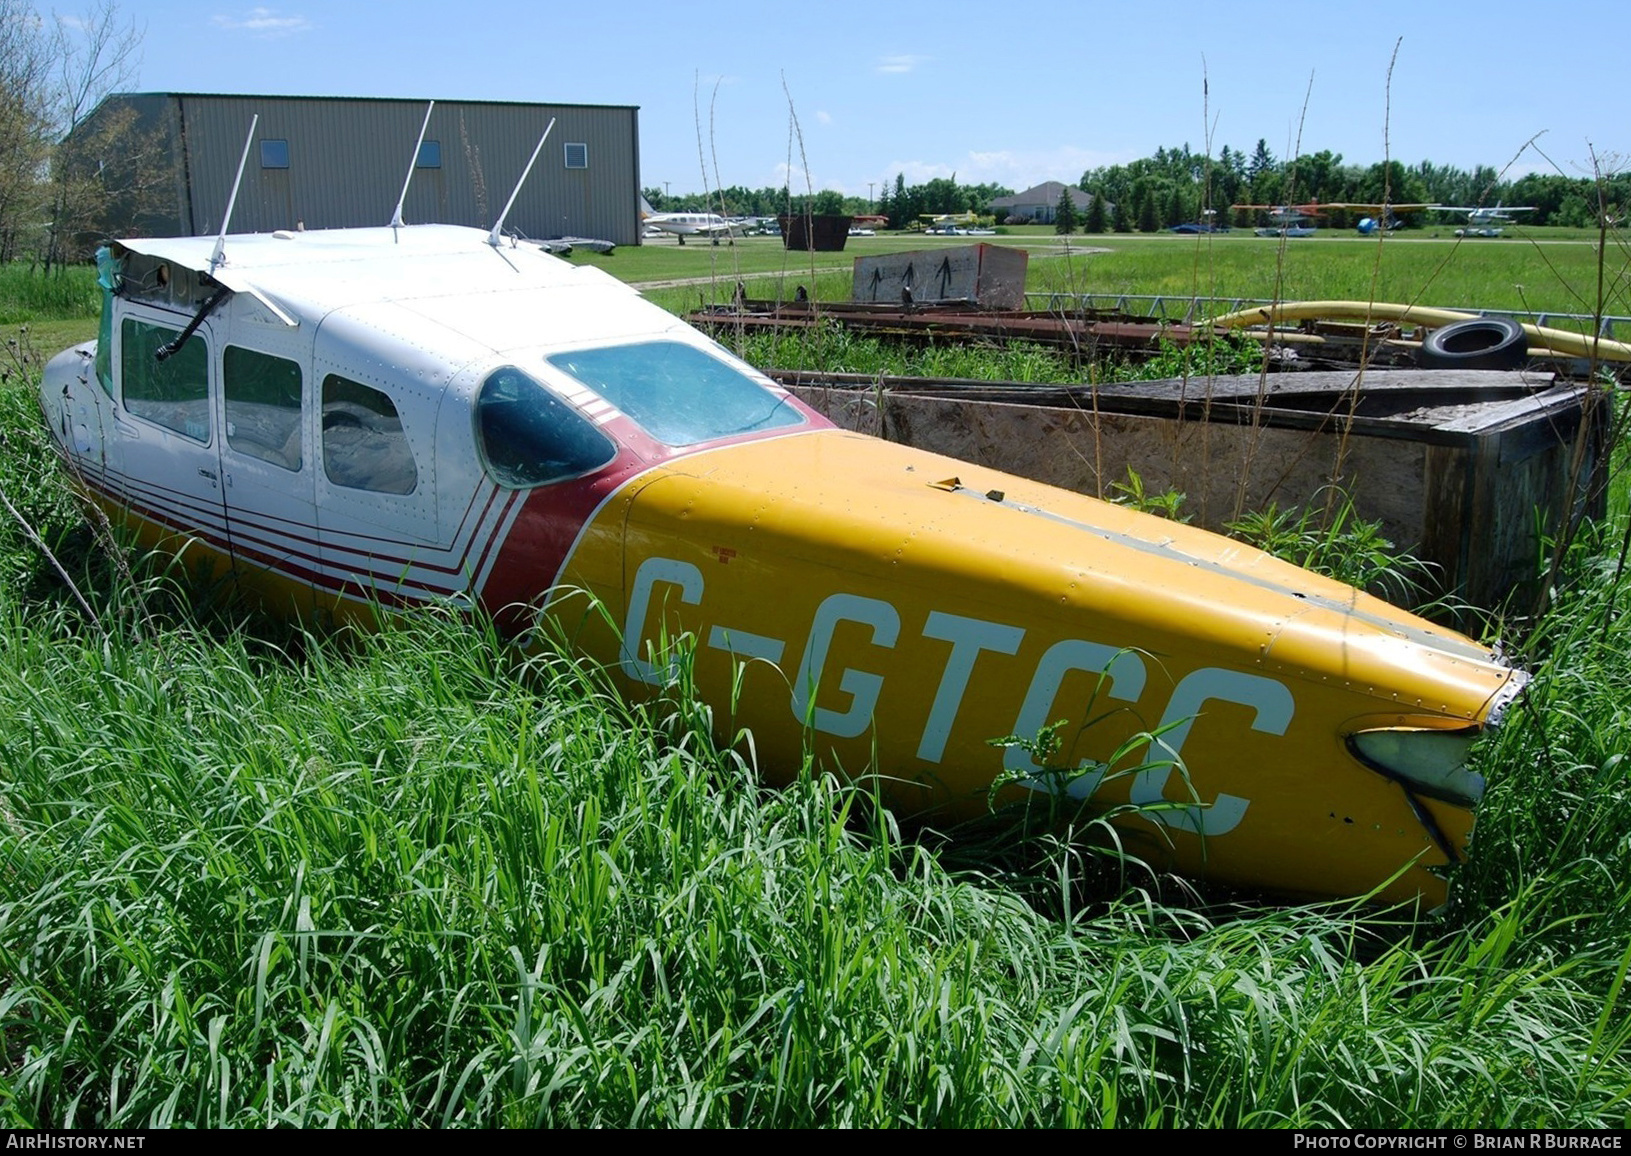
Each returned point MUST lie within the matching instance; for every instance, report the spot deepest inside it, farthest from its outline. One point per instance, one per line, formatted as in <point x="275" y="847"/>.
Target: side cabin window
<point x="677" y="393"/>
<point x="262" y="395"/>
<point x="530" y="437"/>
<point x="173" y="393"/>
<point x="364" y="444"/>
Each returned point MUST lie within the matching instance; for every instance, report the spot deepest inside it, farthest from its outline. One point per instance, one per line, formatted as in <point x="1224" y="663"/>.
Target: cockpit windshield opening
<point x="679" y="394"/>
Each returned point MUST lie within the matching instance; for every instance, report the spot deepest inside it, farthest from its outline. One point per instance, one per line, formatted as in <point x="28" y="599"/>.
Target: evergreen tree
<point x="1262" y="162"/>
<point x="1120" y="221"/>
<point x="1064" y="216"/>
<point x="1149" y="220"/>
<point x="901" y="206"/>
<point x="1095" y="215"/>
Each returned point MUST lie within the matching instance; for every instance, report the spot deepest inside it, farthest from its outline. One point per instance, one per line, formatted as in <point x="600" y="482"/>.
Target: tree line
<point x="1178" y="185"/>
<point x="740" y="201"/>
<point x="902" y="205"/>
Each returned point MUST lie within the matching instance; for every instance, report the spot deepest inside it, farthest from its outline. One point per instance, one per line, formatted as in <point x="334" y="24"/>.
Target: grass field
<point x="252" y="877"/>
<point x="1535" y="270"/>
<point x="27" y="295"/>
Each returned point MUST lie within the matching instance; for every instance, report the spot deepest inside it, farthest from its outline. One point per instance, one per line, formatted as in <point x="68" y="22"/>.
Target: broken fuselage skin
<point x="378" y="416"/>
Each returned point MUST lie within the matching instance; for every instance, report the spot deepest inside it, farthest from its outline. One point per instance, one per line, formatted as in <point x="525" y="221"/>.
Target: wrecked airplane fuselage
<point x="348" y="418"/>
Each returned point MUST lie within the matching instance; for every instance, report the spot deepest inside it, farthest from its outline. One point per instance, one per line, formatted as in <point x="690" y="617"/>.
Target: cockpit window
<point x="678" y="394"/>
<point x="531" y="437"/>
<point x="175" y="392"/>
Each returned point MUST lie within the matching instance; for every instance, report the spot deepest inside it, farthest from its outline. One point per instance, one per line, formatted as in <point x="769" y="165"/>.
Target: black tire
<point x="1481" y="343"/>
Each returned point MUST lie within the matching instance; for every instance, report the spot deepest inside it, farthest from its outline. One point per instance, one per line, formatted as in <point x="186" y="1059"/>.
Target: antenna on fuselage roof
<point x="396" y="218"/>
<point x="220" y="253"/>
<point x="493" y="237"/>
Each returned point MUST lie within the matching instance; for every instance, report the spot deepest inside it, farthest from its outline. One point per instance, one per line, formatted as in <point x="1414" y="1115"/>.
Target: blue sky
<point x="927" y="90"/>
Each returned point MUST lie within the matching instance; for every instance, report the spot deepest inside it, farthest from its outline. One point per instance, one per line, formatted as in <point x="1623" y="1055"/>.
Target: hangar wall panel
<point x="346" y="159"/>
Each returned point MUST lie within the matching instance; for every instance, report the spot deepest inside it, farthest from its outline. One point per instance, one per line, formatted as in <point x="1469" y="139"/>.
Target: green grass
<point x="27" y="295"/>
<point x="1535" y="270"/>
<point x="1508" y="274"/>
<point x="834" y="349"/>
<point x="401" y="881"/>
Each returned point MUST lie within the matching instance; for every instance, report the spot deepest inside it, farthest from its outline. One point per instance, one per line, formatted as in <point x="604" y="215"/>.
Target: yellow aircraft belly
<point x="896" y="611"/>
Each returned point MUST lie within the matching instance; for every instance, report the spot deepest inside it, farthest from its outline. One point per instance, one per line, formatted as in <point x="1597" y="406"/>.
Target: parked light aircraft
<point x="683" y="225"/>
<point x="341" y="421"/>
<point x="1285" y="220"/>
<point x="1483" y="221"/>
<point x="928" y="220"/>
<point x="1385" y="218"/>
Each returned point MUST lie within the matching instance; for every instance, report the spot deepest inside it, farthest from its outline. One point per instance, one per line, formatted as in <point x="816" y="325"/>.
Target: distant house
<point x="1040" y="202"/>
<point x="335" y="162"/>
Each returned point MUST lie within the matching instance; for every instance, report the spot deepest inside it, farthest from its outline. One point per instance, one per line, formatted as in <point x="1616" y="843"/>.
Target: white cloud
<point x="263" y="22"/>
<point x="904" y="62"/>
<point x="797" y="180"/>
<point x="823" y="116"/>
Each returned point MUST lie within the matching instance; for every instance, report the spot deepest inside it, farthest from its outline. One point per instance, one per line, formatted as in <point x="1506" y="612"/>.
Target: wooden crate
<point x="1466" y="470"/>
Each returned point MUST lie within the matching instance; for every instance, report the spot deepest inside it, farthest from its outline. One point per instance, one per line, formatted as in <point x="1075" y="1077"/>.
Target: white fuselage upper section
<point x="441" y="287"/>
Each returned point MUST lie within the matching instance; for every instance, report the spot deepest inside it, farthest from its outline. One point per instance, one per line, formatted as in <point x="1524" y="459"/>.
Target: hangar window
<point x="577" y="156"/>
<point x="173" y="393"/>
<point x="678" y="393"/>
<point x="274" y="154"/>
<point x="430" y="155"/>
<point x="262" y="396"/>
<point x="364" y="444"/>
<point x="531" y="437"/>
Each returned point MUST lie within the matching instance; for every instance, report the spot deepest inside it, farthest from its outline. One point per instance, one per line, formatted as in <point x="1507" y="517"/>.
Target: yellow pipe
<point x="1545" y="339"/>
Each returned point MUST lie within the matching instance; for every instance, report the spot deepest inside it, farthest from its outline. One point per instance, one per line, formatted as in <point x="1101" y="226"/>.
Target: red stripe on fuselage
<point x="543" y="534"/>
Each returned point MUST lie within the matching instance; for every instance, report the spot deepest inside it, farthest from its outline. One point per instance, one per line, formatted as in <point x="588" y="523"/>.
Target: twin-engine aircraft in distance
<point x="339" y="421"/>
<point x="683" y="225"/>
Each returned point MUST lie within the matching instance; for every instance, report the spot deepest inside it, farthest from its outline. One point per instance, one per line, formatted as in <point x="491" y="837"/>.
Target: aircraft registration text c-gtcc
<point x="336" y="421"/>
